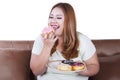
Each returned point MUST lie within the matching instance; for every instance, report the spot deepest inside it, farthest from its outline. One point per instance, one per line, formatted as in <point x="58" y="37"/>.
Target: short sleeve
<point x="87" y="48"/>
<point x="37" y="46"/>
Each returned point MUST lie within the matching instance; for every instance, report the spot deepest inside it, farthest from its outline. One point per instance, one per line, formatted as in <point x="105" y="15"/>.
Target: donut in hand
<point x="47" y="31"/>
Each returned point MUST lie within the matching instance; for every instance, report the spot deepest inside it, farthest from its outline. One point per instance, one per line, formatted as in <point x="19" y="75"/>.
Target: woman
<point x="65" y="43"/>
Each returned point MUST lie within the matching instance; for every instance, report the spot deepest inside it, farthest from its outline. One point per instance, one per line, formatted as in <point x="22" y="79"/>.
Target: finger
<point x="55" y="39"/>
<point x="53" y="36"/>
<point x="42" y="35"/>
<point x="45" y="36"/>
<point x="50" y="35"/>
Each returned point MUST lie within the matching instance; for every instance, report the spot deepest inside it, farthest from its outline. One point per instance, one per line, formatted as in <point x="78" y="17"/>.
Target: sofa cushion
<point x="14" y="64"/>
<point x="107" y="48"/>
<point x="109" y="68"/>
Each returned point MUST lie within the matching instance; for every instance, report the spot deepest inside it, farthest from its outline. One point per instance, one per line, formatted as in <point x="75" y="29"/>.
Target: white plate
<point x="52" y="66"/>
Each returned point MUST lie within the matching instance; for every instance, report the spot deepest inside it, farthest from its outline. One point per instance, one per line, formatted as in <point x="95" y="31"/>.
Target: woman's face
<point x="56" y="20"/>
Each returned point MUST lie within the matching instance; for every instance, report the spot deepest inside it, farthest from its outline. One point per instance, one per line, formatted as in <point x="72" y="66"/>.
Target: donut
<point x="64" y="67"/>
<point x="47" y="31"/>
<point x="78" y="66"/>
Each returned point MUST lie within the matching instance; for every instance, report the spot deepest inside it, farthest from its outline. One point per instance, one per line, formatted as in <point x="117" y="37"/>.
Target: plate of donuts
<point x="66" y="66"/>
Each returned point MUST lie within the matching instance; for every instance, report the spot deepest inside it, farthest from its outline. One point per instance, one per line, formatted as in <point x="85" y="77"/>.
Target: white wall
<point x="24" y="19"/>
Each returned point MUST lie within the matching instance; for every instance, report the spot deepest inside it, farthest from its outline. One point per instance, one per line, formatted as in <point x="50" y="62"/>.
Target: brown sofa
<point x="109" y="58"/>
<point x="15" y="59"/>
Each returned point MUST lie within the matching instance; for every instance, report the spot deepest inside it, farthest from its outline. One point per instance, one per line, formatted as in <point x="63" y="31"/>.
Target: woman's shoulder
<point x="82" y="36"/>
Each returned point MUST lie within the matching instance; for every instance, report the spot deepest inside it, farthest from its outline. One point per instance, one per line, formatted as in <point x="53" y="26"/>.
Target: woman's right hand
<point x="49" y="39"/>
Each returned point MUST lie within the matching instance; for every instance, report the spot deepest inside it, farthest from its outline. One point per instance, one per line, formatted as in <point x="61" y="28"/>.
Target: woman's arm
<point x="92" y="65"/>
<point x="38" y="62"/>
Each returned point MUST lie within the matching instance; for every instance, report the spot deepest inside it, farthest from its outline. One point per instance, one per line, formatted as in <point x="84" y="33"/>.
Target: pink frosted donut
<point x="47" y="30"/>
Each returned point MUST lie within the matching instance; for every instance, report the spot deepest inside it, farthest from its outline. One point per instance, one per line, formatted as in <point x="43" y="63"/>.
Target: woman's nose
<point x="54" y="20"/>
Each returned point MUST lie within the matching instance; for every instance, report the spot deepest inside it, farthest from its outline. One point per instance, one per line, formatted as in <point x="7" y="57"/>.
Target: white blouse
<point x="86" y="51"/>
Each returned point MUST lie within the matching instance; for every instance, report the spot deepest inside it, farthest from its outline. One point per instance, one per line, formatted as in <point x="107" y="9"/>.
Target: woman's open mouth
<point x="55" y="27"/>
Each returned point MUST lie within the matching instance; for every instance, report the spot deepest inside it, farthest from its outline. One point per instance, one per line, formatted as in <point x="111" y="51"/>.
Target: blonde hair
<point x="70" y="38"/>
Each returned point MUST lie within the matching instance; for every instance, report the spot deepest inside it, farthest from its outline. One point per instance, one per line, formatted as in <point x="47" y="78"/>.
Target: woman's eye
<point x="51" y="17"/>
<point x="59" y="17"/>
